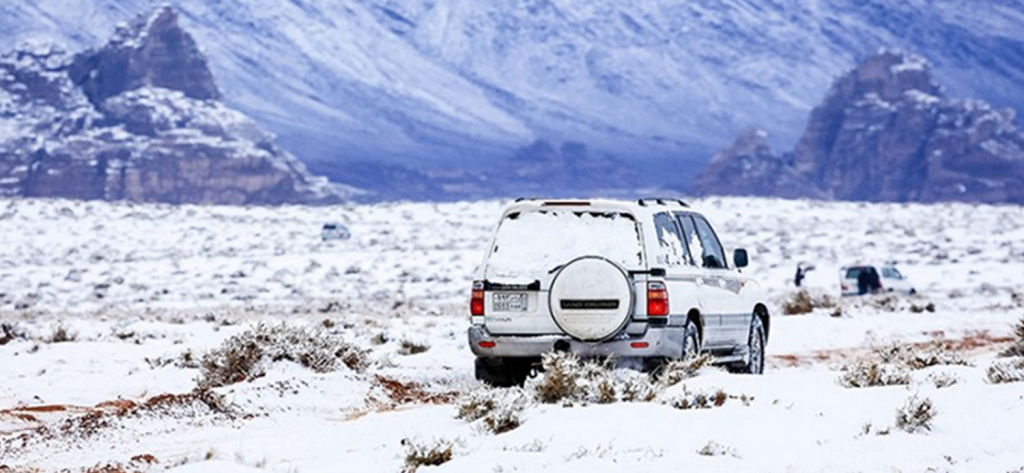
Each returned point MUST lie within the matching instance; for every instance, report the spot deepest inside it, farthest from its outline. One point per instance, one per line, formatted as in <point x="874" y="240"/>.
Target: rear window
<point x="854" y="273"/>
<point x="533" y="243"/>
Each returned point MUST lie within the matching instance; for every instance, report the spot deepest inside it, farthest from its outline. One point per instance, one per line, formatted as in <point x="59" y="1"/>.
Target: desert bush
<point x="1009" y="371"/>
<point x="499" y="410"/>
<point x="9" y="333"/>
<point x="680" y="370"/>
<point x="869" y="374"/>
<point x="715" y="449"/>
<point x="567" y="379"/>
<point x="245" y="356"/>
<point x="943" y="379"/>
<point x="803" y="302"/>
<point x="1017" y="349"/>
<point x="61" y="335"/>
<point x="685" y="399"/>
<point x="913" y="358"/>
<point x="915" y="415"/>
<point x="417" y="454"/>
<point x="409" y="347"/>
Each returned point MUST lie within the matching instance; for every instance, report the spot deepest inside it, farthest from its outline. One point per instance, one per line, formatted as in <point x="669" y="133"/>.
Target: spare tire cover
<point x="591" y="298"/>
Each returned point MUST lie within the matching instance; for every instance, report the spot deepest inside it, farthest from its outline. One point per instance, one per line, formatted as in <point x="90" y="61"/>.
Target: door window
<point x="712" y="255"/>
<point x="673" y="250"/>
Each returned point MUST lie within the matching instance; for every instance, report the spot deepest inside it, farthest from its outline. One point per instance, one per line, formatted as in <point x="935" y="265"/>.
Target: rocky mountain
<point x="885" y="132"/>
<point x="137" y="119"/>
<point x="464" y="84"/>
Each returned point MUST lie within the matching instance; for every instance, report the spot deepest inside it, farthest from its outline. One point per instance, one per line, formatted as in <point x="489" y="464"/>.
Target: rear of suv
<point x="644" y="282"/>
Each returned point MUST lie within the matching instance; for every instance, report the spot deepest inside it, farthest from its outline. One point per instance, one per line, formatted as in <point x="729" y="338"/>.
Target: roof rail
<point x="662" y="201"/>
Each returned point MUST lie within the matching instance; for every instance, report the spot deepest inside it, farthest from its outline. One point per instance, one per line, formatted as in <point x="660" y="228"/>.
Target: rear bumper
<point x="660" y="342"/>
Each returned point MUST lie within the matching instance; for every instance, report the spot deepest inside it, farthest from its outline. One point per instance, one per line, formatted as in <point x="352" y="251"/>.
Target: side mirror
<point x="740" y="258"/>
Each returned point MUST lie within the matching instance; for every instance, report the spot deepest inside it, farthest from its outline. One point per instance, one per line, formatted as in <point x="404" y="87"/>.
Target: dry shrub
<point x="1009" y="371"/>
<point x="803" y="302"/>
<point x="498" y="410"/>
<point x="943" y="379"/>
<point x="9" y="333"/>
<point x="416" y="454"/>
<point x="915" y="415"/>
<point x="685" y="399"/>
<point x="61" y="335"/>
<point x="677" y="371"/>
<point x="567" y="379"/>
<point x="409" y="347"/>
<point x="715" y="449"/>
<point x="410" y="392"/>
<point x="869" y="374"/>
<point x="913" y="358"/>
<point x="245" y="356"/>
<point x="1017" y="349"/>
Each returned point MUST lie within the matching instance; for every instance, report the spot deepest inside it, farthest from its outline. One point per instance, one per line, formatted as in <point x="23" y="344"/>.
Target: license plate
<point x="509" y="301"/>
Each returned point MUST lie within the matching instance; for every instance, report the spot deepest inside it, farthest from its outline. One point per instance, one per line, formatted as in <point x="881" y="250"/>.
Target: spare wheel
<point x="591" y="298"/>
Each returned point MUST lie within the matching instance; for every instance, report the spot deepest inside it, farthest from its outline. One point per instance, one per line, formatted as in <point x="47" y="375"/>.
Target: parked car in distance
<point x="643" y="281"/>
<point x="334" y="231"/>
<point x="888" y="277"/>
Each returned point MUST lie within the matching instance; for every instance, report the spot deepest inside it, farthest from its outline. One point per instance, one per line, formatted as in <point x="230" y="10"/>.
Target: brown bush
<point x="802" y="302"/>
<point x="245" y="356"/>
<point x="417" y="455"/>
<point x="915" y="415"/>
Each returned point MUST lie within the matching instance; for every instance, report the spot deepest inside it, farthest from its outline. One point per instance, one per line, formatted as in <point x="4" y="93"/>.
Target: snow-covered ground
<point x="141" y="292"/>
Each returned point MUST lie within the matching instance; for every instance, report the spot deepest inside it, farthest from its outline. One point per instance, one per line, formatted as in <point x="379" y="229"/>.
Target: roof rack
<point x="662" y="201"/>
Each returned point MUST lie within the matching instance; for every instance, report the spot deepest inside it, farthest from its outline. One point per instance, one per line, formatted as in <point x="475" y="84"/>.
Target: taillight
<point x="476" y="302"/>
<point x="846" y="288"/>
<point x="657" y="299"/>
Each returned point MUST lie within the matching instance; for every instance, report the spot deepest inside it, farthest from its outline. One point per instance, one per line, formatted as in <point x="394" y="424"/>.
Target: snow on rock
<point x="138" y="119"/>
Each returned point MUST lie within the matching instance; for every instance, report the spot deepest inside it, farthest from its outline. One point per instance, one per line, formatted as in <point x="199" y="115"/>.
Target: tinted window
<point x="690" y="236"/>
<point x="711" y="255"/>
<point x="673" y="251"/>
<point x="891" y="273"/>
<point x="854" y="272"/>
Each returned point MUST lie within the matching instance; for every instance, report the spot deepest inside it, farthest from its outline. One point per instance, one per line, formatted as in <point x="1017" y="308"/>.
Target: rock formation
<point x="886" y="132"/>
<point x="138" y="119"/>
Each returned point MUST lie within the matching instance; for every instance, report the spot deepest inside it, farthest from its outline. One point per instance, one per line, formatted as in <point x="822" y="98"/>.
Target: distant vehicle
<point x="643" y="281"/>
<point x="887" y="278"/>
<point x="334" y="231"/>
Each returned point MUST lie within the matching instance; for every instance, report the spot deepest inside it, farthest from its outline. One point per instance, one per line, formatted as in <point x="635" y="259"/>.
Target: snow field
<point x="142" y="292"/>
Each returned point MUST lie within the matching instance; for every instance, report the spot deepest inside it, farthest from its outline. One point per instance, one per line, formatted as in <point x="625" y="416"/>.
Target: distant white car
<point x="334" y="231"/>
<point x="867" y="278"/>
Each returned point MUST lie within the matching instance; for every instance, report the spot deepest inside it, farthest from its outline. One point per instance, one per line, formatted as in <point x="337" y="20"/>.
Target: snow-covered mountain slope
<point x="462" y="82"/>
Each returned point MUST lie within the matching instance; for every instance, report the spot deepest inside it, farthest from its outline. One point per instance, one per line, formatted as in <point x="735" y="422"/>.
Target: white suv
<point x="644" y="281"/>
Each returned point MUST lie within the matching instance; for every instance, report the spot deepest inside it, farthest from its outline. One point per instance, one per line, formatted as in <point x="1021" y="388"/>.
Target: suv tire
<point x="502" y="372"/>
<point x="755" y="350"/>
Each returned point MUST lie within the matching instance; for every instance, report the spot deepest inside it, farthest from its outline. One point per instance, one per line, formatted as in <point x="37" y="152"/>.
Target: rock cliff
<point x="138" y="119"/>
<point x="886" y="132"/>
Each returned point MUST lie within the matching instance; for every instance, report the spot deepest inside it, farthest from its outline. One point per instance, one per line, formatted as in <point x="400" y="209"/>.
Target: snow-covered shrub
<point x="916" y="414"/>
<point x="868" y="374"/>
<point x="680" y="370"/>
<point x="9" y="333"/>
<point x="61" y="334"/>
<point x="1009" y="371"/>
<point x="685" y="399"/>
<point x="245" y="356"/>
<point x="637" y="387"/>
<point x="914" y="358"/>
<point x="498" y="410"/>
<point x="410" y="347"/>
<point x="1017" y="349"/>
<point x="803" y="302"/>
<point x="715" y="449"/>
<point x="943" y="379"/>
<point x="567" y="379"/>
<point x="417" y="454"/>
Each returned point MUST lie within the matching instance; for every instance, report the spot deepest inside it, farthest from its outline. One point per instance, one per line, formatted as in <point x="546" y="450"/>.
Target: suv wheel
<point x="691" y="342"/>
<point x="502" y="372"/>
<point x="755" y="350"/>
